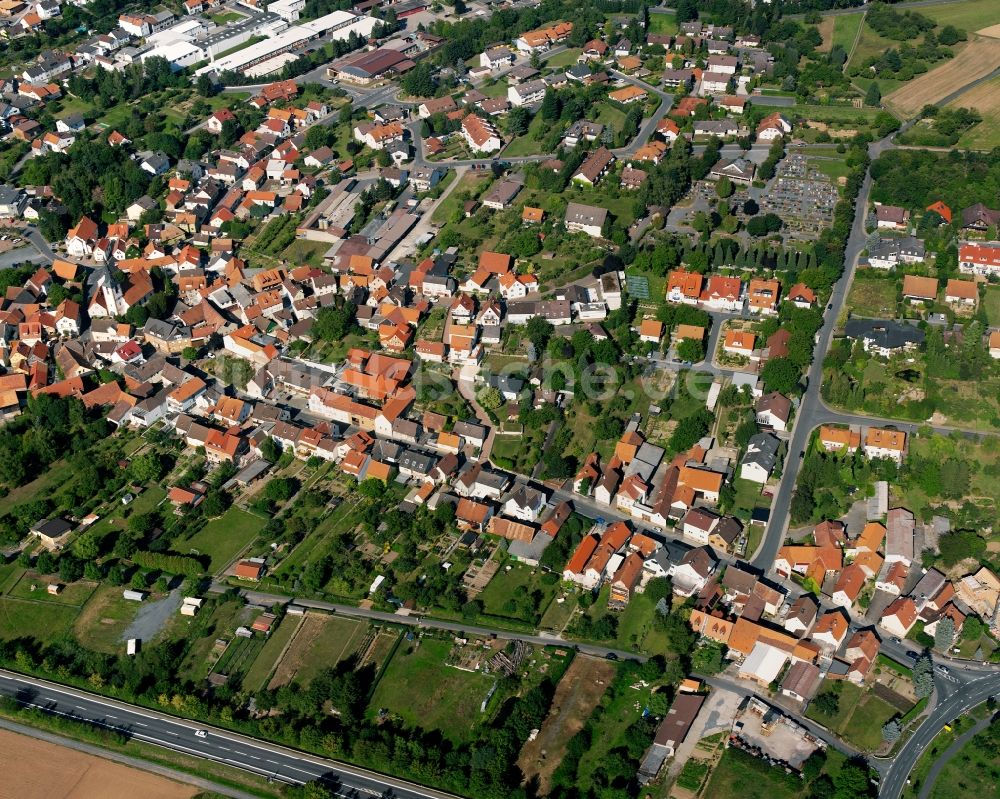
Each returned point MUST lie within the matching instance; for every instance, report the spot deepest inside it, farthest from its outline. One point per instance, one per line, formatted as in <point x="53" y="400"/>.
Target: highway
<point x="275" y="762"/>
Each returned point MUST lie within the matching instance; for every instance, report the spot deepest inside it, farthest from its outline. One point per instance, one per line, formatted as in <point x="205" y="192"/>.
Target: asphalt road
<point x="248" y="754"/>
<point x="811" y="406"/>
<point x="953" y="701"/>
<point x="949" y="753"/>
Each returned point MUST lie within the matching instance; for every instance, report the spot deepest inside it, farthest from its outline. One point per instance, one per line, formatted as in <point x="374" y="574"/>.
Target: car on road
<point x="200" y="733"/>
<point x="911" y="654"/>
<point x="611" y="656"/>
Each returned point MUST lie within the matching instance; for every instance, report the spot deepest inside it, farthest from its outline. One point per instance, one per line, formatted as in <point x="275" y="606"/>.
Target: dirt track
<point x="39" y="769"/>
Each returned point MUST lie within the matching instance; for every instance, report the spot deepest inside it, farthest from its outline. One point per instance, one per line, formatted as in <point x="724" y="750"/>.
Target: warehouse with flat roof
<point x="337" y="25"/>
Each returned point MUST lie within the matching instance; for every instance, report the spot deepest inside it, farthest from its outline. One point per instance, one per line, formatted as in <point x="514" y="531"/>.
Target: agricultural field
<point x="257" y="675"/>
<point x="420" y="688"/>
<point x="320" y="642"/>
<point x="969" y="15"/>
<point x="975" y="61"/>
<point x="984" y="98"/>
<point x="68" y="773"/>
<point x="578" y="693"/>
<point x="224" y="538"/>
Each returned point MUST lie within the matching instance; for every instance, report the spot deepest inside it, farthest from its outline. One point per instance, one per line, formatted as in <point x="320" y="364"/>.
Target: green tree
<point x="780" y="374"/>
<point x="538" y="331"/>
<point x="944" y="633"/>
<point x="724" y="187"/>
<point x="691" y="350"/>
<point x="146" y="467"/>
<point x="873" y="96"/>
<point x="490" y="398"/>
<point x="827" y="703"/>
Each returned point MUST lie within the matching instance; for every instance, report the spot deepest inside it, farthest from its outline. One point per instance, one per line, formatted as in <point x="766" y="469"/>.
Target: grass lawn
<point x="970" y="15"/>
<point x="972" y="772"/>
<point x="528" y="144"/>
<point x="104" y="618"/>
<point x="419" y="688"/>
<point x="301" y="252"/>
<point x="113" y="519"/>
<point x="229" y="16"/>
<point x="470" y="182"/>
<point x="835" y="113"/>
<point x="256" y="678"/>
<point x="870" y="44"/>
<point x="74" y="594"/>
<point x="740" y="774"/>
<point x="859" y="717"/>
<point x="748" y="497"/>
<point x="43" y="485"/>
<point x="42" y="621"/>
<point x="10" y="573"/>
<point x="608" y="115"/>
<point x="340" y="521"/>
<point x="248" y="43"/>
<point x="831" y="167"/>
<point x="864" y="730"/>
<point x="222" y="539"/>
<point x="872" y="298"/>
<point x="507" y="585"/>
<point x="848" y="693"/>
<point x="496" y="89"/>
<point x="845" y="30"/>
<point x="665" y="24"/>
<point x="566" y="59"/>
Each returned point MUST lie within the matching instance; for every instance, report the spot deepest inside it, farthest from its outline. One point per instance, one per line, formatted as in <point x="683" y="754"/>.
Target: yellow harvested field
<point x="984" y="98"/>
<point x="993" y="32"/>
<point x="68" y="774"/>
<point x="977" y="60"/>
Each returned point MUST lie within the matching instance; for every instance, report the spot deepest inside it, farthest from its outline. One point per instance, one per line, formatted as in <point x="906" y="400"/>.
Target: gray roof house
<point x="761" y="457"/>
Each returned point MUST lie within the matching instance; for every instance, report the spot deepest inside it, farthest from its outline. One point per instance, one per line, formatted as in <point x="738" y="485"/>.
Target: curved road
<point x="949" y="753"/>
<point x="956" y="701"/>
